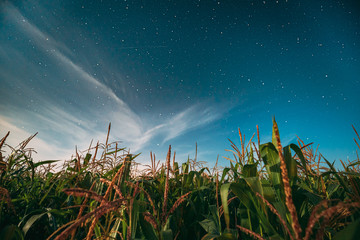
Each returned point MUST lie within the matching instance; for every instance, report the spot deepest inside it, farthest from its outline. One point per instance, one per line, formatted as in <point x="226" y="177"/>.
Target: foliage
<point x="268" y="192"/>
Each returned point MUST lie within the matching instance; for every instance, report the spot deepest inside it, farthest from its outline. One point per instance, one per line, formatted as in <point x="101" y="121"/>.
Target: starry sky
<point x="179" y="72"/>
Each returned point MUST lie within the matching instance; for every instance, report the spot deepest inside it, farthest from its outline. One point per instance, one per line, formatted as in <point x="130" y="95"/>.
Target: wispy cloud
<point x="51" y="46"/>
<point x="182" y="122"/>
<point x="61" y="126"/>
<point x="45" y="150"/>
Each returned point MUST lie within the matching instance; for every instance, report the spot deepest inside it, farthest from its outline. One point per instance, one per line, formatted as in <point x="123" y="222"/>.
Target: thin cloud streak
<point x="179" y="124"/>
<point x="66" y="127"/>
<point x="47" y="43"/>
<point x="44" y="149"/>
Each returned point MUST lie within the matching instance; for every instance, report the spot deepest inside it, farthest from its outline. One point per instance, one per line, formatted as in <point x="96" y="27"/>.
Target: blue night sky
<point x="179" y="72"/>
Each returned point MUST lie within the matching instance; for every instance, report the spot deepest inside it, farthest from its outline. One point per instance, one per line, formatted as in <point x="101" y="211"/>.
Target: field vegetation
<point x="268" y="191"/>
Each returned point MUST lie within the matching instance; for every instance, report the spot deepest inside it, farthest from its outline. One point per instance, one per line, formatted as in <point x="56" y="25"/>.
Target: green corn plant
<point x="288" y="205"/>
<point x="29" y="197"/>
<point x="267" y="192"/>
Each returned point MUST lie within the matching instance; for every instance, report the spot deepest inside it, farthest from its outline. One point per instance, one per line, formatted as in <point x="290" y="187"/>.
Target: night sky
<point x="180" y="73"/>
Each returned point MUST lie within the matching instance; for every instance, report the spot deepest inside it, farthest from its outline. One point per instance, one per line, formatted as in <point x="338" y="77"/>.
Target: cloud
<point x="44" y="150"/>
<point x="188" y="119"/>
<point x="61" y="125"/>
<point x="191" y="118"/>
<point x="48" y="44"/>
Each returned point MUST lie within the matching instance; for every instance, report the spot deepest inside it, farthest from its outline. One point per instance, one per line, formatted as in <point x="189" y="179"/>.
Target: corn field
<point x="269" y="191"/>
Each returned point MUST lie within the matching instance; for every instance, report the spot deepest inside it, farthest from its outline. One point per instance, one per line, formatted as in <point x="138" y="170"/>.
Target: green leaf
<point x="134" y="218"/>
<point x="242" y="190"/>
<point x="224" y="191"/>
<point x="215" y="217"/>
<point x="112" y="152"/>
<point x="313" y="198"/>
<point x="11" y="232"/>
<point x="115" y="229"/>
<point x="255" y="184"/>
<point x="97" y="231"/>
<point x="44" y="162"/>
<point x="87" y="158"/>
<point x="251" y="202"/>
<point x="176" y="169"/>
<point x="273" y="138"/>
<point x="291" y="164"/>
<point x="300" y="155"/>
<point x="147" y="228"/>
<point x="351" y="232"/>
<point x="272" y="163"/>
<point x="332" y="188"/>
<point x="250" y="170"/>
<point x="190" y="179"/>
<point x="228" y="234"/>
<point x="353" y="164"/>
<point x="166" y="234"/>
<point x="340" y="178"/>
<point x="47" y="192"/>
<point x="210" y="236"/>
<point x="209" y="226"/>
<point x="352" y="174"/>
<point x="31" y="221"/>
<point x="268" y="190"/>
<point x="224" y="173"/>
<point x="185" y="166"/>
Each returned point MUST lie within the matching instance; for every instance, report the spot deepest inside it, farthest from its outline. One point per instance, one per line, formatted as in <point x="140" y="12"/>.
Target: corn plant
<point x="268" y="191"/>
